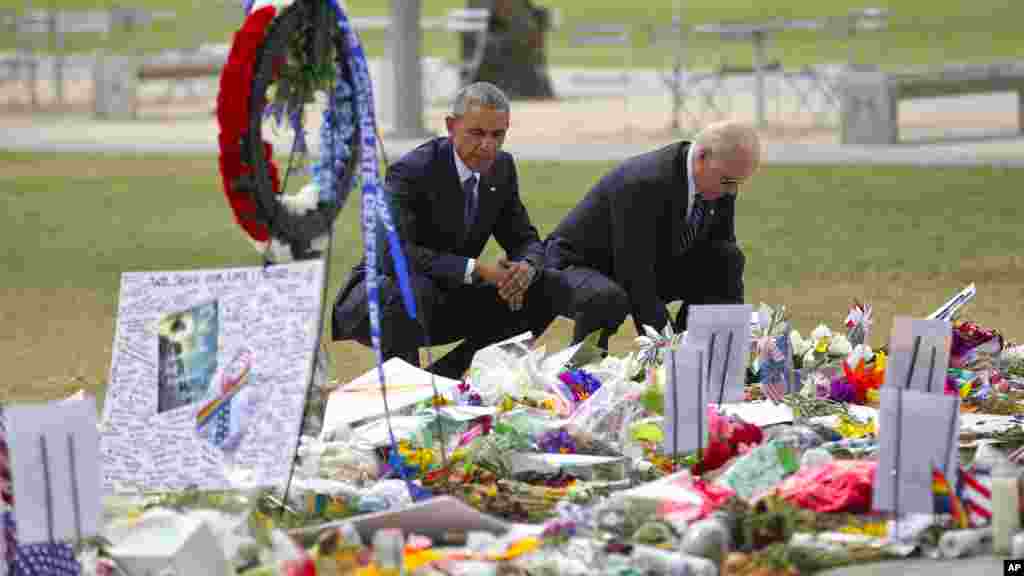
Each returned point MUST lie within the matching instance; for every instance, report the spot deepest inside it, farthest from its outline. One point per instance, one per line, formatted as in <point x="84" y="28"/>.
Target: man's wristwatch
<point x="532" y="274"/>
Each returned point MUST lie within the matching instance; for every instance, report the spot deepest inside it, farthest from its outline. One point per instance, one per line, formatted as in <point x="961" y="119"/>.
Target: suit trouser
<point x="708" y="273"/>
<point x="587" y="297"/>
<point x="472" y="313"/>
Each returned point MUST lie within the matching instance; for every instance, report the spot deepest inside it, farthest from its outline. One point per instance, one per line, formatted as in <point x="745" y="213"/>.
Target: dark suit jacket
<point x="429" y="205"/>
<point x="629" y="226"/>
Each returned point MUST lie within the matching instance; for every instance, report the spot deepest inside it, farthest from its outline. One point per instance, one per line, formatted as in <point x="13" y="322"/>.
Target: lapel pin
<point x="492" y="188"/>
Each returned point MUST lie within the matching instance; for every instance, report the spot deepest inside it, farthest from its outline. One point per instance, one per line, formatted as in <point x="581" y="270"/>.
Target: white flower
<point x="279" y="4"/>
<point x="798" y="344"/>
<point x="808" y="357"/>
<point x="840" y="345"/>
<point x="1014" y="354"/>
<point x="764" y="317"/>
<point x="303" y="201"/>
<point x="860" y="352"/>
<point x="859" y="315"/>
<point x="820" y="333"/>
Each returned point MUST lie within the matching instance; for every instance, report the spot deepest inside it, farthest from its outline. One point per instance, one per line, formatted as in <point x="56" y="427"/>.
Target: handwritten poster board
<point x="208" y="377"/>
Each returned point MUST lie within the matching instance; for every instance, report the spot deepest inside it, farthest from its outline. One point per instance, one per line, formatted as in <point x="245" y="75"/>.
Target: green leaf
<point x="653" y="399"/>
<point x="647" y="432"/>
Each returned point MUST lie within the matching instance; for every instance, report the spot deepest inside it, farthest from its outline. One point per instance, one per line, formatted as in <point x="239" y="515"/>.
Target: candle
<point x="957" y="543"/>
<point x="1005" y="507"/>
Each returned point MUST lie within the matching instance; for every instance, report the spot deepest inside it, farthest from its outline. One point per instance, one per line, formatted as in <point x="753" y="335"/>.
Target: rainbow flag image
<point x="946" y="500"/>
<point x="234" y="379"/>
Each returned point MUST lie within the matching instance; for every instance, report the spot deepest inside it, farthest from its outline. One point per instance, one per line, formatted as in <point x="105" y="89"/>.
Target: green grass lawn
<point x="921" y="32"/>
<point x="905" y="239"/>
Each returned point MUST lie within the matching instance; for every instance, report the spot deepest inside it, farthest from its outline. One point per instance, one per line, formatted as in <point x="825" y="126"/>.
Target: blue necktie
<point x="693" y="224"/>
<point x="467" y="189"/>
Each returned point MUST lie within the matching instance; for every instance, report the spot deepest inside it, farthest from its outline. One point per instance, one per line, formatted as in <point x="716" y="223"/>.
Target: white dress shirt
<point x="690" y="184"/>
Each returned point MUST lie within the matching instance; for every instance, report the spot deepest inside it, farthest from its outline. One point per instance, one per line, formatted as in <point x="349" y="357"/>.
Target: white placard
<point x="686" y="400"/>
<point x="725" y="331"/>
<point x="208" y="378"/>
<point x="918" y="431"/>
<point x="919" y="354"/>
<point x="55" y="474"/>
<point x="759" y="412"/>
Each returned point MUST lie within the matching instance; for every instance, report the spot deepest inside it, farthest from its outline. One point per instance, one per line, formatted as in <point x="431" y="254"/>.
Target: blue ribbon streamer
<point x="374" y="206"/>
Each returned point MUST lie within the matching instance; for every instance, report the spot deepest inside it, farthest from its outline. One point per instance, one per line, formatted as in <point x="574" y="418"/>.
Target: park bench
<point x="869" y="100"/>
<point x="41" y="34"/>
<point x="117" y="77"/>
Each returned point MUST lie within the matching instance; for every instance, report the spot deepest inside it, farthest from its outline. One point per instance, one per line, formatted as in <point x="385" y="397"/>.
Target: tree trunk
<point x="514" y="58"/>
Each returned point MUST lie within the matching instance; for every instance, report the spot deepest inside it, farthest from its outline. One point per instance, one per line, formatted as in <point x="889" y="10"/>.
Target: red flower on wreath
<point x="233" y="118"/>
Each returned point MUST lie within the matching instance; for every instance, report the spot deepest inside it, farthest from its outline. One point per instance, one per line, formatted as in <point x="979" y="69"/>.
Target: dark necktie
<point x="470" y="213"/>
<point x="694" y="222"/>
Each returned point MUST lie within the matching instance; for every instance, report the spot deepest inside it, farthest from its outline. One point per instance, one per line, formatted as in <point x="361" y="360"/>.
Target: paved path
<point x="587" y="124"/>
<point x="84" y="134"/>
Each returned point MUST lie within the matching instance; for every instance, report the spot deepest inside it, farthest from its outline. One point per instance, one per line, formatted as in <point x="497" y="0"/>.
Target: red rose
<point x="233" y="119"/>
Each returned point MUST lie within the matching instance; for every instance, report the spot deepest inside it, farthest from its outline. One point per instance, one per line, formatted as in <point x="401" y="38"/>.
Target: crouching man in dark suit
<point x="656" y="229"/>
<point x="449" y="196"/>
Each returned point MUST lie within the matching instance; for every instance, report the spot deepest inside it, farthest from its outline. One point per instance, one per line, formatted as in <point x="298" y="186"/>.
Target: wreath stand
<point x="279" y="59"/>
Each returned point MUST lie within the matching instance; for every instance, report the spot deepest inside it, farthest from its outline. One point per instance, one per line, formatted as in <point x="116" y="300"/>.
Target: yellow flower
<point x="965" y="390"/>
<point x="491" y="490"/>
<point x="524" y="546"/>
<point x="507" y="404"/>
<point x="548" y="404"/>
<point x="440" y="400"/>
<point x="880" y="362"/>
<point x="872" y="395"/>
<point x="851" y="429"/>
<point x="822" y="346"/>
<point x="416" y="560"/>
<point x="875" y="529"/>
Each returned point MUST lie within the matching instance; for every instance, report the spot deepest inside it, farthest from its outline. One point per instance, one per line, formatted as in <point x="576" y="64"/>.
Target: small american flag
<point x="976" y="494"/>
<point x="777" y="367"/>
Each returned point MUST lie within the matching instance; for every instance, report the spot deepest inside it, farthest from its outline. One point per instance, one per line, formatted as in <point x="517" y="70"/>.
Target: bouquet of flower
<point x="653" y="345"/>
<point x="858" y="323"/>
<point x="973" y="346"/>
<point x="728" y="436"/>
<point x="822" y="347"/>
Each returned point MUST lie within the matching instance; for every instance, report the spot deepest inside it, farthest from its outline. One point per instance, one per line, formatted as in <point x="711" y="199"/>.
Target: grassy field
<point x="921" y="32"/>
<point x="816" y="237"/>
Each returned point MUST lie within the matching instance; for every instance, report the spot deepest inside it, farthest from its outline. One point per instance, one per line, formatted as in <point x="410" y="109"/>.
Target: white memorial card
<point x="361" y="399"/>
<point x="919" y="354"/>
<point x="918" y="432"/>
<point x="209" y="376"/>
<point x="55" y="470"/>
<point x="724" y="330"/>
<point x="947" y="310"/>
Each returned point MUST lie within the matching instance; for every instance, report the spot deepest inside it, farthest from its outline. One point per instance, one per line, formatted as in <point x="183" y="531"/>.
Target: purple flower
<point x="841" y="390"/>
<point x="557" y="442"/>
